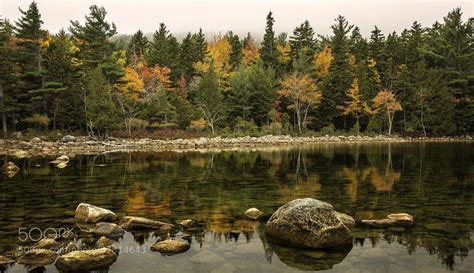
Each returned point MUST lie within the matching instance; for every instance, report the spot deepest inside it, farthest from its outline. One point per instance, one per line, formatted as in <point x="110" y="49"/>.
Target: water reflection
<point x="433" y="182"/>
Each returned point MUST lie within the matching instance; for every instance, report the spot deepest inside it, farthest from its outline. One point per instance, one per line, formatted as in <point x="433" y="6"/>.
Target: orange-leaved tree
<point x="385" y="100"/>
<point x="355" y="106"/>
<point x="303" y="94"/>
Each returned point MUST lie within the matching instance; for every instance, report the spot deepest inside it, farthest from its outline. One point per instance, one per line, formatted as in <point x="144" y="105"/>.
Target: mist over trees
<point x="419" y="81"/>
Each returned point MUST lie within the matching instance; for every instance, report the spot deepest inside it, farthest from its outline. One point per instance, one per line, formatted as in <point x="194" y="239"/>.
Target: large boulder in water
<point x="92" y="214"/>
<point x="307" y="223"/>
<point x="86" y="260"/>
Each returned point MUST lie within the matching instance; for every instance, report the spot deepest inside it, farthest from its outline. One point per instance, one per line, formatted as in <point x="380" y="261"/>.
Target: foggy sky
<point x="242" y="16"/>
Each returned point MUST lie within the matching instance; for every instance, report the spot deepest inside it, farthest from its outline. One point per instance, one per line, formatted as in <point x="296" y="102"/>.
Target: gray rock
<point x="47" y="243"/>
<point x="38" y="257"/>
<point x="170" y="247"/>
<point x="345" y="219"/>
<point x="207" y="257"/>
<point x="140" y="223"/>
<point x="68" y="138"/>
<point x="86" y="260"/>
<point x="108" y="230"/>
<point x="307" y="223"/>
<point x="35" y="140"/>
<point x="253" y="213"/>
<point x="93" y="214"/>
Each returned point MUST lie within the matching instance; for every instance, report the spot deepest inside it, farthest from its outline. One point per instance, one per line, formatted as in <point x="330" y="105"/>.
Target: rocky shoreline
<point x="87" y="145"/>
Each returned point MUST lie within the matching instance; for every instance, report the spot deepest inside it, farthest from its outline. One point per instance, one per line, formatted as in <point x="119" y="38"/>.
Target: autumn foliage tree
<point x="355" y="106"/>
<point x="303" y="94"/>
<point x="386" y="101"/>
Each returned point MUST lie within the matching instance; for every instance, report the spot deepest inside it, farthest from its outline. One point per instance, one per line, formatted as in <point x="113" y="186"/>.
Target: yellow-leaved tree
<point x="303" y="94"/>
<point x="385" y="101"/>
<point x="355" y="106"/>
<point x="322" y="61"/>
<point x="250" y="53"/>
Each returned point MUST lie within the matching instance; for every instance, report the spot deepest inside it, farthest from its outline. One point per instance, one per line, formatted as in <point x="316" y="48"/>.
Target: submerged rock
<point x="47" y="243"/>
<point x="307" y="223"/>
<point x="108" y="230"/>
<point x="93" y="214"/>
<point x="38" y="257"/>
<point x="140" y="223"/>
<point x="401" y="218"/>
<point x="253" y="213"/>
<point x="345" y="219"/>
<point x="87" y="260"/>
<point x="104" y="242"/>
<point x="394" y="219"/>
<point x="170" y="247"/>
<point x="10" y="169"/>
<point x="207" y="257"/>
<point x="310" y="260"/>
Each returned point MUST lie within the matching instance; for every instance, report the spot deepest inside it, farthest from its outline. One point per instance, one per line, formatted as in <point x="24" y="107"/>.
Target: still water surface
<point x="432" y="181"/>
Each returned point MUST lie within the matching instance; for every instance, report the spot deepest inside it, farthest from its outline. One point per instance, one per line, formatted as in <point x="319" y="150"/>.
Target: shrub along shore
<point x="85" y="145"/>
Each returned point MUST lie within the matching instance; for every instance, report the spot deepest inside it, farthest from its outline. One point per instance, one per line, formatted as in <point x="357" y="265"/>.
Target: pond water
<point x="432" y="181"/>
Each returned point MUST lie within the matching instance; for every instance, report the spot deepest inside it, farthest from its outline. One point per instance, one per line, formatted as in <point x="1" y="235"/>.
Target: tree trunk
<point x="390" y="120"/>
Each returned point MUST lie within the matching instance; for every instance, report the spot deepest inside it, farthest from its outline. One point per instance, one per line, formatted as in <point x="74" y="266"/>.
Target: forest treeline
<point x="419" y="81"/>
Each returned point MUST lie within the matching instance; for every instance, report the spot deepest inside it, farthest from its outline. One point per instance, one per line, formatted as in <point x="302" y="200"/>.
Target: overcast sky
<point x="242" y="15"/>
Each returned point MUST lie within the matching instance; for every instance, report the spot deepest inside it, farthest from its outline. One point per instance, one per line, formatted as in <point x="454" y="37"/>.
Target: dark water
<point x="433" y="182"/>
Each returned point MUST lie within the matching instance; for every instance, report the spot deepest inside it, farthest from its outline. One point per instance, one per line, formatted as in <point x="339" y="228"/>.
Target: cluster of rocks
<point x="302" y="224"/>
<point x="85" y="145"/>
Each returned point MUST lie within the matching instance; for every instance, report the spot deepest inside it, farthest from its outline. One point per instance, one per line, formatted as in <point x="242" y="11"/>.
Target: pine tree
<point x="164" y="50"/>
<point x="239" y="97"/>
<point x="303" y="40"/>
<point x="268" y="51"/>
<point x="30" y="60"/>
<point x="137" y="49"/>
<point x="236" y="52"/>
<point x="102" y="112"/>
<point x="263" y="93"/>
<point x="93" y="38"/>
<point x="208" y="97"/>
<point x="377" y="53"/>
<point x="339" y="78"/>
<point x="8" y="76"/>
<point x="200" y="45"/>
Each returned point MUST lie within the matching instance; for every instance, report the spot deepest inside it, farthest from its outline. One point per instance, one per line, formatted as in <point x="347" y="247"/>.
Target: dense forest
<point x="84" y="79"/>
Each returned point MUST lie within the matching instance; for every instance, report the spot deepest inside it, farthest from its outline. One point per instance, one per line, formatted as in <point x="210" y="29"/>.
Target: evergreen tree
<point x="377" y="53"/>
<point x="339" y="78"/>
<point x="164" y="50"/>
<point x="239" y="97"/>
<point x="93" y="38"/>
<point x="102" y="112"/>
<point x="236" y="49"/>
<point x="263" y="94"/>
<point x="200" y="45"/>
<point x="137" y="49"/>
<point x="208" y="97"/>
<point x="8" y="77"/>
<point x="303" y="40"/>
<point x="268" y="51"/>
<point x="30" y="60"/>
